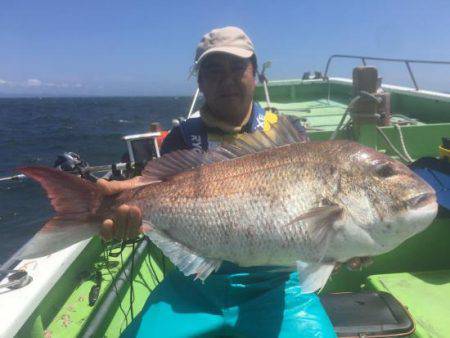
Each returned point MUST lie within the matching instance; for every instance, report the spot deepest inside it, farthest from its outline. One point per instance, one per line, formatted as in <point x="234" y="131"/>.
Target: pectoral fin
<point x="313" y="276"/>
<point x="317" y="225"/>
<point x="188" y="261"/>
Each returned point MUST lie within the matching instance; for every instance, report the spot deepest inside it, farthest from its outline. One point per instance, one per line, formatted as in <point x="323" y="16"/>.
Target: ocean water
<point x="34" y="131"/>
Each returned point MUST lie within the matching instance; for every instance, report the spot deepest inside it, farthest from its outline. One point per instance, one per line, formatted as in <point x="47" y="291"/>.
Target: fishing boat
<point x="95" y="289"/>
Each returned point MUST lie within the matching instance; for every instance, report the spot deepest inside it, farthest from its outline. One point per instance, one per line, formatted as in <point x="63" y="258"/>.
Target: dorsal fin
<point x="281" y="133"/>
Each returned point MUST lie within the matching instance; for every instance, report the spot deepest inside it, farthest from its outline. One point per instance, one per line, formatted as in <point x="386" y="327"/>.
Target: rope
<point x="106" y="254"/>
<point x="402" y="143"/>
<point x="362" y="94"/>
<point x="131" y="282"/>
<point x="388" y="141"/>
<point x="341" y="122"/>
<point x="335" y="132"/>
<point x="130" y="276"/>
<point x="406" y="157"/>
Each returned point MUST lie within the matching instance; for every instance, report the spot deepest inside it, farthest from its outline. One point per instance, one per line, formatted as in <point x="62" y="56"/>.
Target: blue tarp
<point x="241" y="302"/>
<point x="436" y="172"/>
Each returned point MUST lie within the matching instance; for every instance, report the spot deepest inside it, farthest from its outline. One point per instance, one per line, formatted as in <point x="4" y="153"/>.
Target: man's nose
<point x="230" y="74"/>
<point x="228" y="77"/>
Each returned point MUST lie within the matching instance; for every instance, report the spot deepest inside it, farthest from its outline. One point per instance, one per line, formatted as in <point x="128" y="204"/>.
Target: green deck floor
<point x="325" y="115"/>
<point x="75" y="314"/>
<point x="319" y="114"/>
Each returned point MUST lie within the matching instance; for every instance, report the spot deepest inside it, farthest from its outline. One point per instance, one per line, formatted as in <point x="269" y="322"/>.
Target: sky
<point x="134" y="48"/>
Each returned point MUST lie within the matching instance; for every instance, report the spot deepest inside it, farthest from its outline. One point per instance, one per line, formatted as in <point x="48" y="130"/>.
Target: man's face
<point x="227" y="83"/>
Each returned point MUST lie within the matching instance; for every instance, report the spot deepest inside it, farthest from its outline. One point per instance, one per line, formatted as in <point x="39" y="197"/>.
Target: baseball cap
<point x="230" y="40"/>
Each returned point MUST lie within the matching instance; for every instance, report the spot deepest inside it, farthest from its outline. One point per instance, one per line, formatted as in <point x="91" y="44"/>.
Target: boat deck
<point x="426" y="295"/>
<point x="422" y="119"/>
<point x="321" y="114"/>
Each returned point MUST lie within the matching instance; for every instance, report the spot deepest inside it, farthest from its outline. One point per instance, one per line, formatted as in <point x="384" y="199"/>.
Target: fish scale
<point x="247" y="213"/>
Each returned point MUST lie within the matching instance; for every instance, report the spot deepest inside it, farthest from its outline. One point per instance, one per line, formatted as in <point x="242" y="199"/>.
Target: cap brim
<point x="239" y="52"/>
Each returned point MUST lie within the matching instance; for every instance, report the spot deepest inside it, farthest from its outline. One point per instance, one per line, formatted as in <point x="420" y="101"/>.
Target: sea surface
<point x="33" y="131"/>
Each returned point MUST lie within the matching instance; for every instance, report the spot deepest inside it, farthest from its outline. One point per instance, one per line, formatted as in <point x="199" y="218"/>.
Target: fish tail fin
<point x="76" y="202"/>
<point x="70" y="196"/>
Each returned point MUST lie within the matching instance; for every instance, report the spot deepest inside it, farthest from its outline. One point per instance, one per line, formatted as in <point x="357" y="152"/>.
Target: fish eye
<point x="385" y="170"/>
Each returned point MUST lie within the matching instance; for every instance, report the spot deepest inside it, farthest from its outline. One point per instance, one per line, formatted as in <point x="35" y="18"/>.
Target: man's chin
<point x="228" y="112"/>
<point x="230" y="100"/>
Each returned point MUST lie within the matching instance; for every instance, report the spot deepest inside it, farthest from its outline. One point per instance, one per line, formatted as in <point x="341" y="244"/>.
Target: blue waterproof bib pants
<point x="234" y="302"/>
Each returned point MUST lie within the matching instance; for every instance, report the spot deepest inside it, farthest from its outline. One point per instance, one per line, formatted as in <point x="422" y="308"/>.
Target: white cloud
<point x="33" y="83"/>
<point x="3" y="82"/>
<point x="78" y="85"/>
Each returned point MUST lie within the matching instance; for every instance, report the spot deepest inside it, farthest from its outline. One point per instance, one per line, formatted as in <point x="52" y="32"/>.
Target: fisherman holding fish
<point x="253" y="302"/>
<point x="236" y="203"/>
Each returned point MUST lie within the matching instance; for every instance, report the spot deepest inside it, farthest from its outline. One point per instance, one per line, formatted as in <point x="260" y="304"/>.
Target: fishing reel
<point x="72" y="162"/>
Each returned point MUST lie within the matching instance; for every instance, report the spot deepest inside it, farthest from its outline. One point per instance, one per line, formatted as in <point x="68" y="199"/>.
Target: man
<point x="249" y="302"/>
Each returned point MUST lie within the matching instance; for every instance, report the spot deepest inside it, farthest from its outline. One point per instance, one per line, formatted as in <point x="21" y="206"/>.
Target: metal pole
<point x="266" y="92"/>
<point x="365" y="58"/>
<point x="411" y="74"/>
<point x="155" y="143"/>
<point x="262" y="78"/>
<point x="194" y="100"/>
<point x="130" y="151"/>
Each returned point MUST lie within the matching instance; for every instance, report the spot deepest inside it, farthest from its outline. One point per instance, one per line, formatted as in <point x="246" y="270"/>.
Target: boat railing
<point x="364" y="60"/>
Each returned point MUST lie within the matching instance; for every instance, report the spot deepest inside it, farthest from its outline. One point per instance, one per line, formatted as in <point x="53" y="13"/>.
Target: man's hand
<point x="357" y="263"/>
<point x="126" y="221"/>
<point x="354" y="264"/>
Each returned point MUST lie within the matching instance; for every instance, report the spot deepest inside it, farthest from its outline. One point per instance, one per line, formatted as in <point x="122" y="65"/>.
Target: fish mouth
<point x="421" y="200"/>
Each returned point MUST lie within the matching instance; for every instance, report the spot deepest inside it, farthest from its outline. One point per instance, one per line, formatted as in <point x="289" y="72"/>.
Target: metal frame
<point x="407" y="62"/>
<point x="151" y="135"/>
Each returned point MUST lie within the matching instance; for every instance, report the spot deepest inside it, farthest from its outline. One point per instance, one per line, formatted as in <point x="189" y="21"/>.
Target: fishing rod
<point x="12" y="178"/>
<point x="138" y="154"/>
<point x="122" y="166"/>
